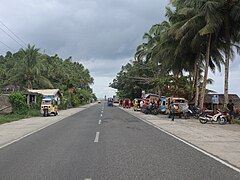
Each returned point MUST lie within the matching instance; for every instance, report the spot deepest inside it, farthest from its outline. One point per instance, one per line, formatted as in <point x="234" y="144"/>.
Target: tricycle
<point x="48" y="107"/>
<point x="178" y="109"/>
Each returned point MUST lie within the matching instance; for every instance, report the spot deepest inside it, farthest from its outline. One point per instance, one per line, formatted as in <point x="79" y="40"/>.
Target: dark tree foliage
<point x="28" y="68"/>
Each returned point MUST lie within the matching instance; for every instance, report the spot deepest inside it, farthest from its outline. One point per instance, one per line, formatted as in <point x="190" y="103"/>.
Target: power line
<point x="6" y="45"/>
<point x="13" y="33"/>
<point x="11" y="37"/>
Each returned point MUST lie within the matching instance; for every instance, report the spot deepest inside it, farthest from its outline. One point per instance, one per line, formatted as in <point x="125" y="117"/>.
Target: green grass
<point x="236" y="121"/>
<point x="15" y="117"/>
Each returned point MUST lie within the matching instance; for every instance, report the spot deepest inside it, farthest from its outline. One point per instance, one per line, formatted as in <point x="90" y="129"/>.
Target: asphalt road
<point x="103" y="143"/>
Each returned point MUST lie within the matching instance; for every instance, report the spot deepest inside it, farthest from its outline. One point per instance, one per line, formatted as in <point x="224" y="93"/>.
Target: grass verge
<point x="15" y="117"/>
<point x="236" y="121"/>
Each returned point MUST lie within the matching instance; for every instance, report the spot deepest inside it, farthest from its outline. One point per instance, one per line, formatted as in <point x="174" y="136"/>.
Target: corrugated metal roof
<point x="46" y="92"/>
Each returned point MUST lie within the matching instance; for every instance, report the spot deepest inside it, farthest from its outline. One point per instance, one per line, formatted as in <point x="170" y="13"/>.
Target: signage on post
<point x="215" y="99"/>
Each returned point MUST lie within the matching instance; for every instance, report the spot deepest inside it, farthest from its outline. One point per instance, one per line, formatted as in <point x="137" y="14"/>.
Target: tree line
<point x="178" y="52"/>
<point x="30" y="69"/>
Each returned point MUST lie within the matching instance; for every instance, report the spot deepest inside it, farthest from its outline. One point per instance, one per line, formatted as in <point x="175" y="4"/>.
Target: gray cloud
<point x="102" y="35"/>
<point x="85" y="29"/>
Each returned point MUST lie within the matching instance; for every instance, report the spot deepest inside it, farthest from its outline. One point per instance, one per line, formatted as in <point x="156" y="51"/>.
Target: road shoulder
<point x="16" y="130"/>
<point x="222" y="141"/>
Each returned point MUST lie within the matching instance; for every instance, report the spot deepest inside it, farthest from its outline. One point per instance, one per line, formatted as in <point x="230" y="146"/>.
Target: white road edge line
<point x="193" y="146"/>
<point x="28" y="134"/>
<point x="100" y="121"/>
<point x="97" y="137"/>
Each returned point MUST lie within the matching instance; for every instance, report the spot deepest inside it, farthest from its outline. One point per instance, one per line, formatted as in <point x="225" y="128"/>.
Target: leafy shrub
<point x="39" y="101"/>
<point x="18" y="102"/>
<point x="83" y="95"/>
<point x="37" y="105"/>
<point x="63" y="103"/>
<point x="75" y="99"/>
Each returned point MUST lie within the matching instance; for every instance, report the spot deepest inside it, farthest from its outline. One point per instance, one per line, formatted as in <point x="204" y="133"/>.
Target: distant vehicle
<point x="179" y="109"/>
<point x="150" y="106"/>
<point x="136" y="104"/>
<point x="48" y="107"/>
<point x="110" y="102"/>
<point x="163" y="105"/>
<point x="115" y="99"/>
<point x="173" y="100"/>
<point x="99" y="101"/>
<point x="126" y="103"/>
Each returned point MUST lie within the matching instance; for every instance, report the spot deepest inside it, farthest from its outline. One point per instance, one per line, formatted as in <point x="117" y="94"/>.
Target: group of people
<point x="150" y="103"/>
<point x="153" y="104"/>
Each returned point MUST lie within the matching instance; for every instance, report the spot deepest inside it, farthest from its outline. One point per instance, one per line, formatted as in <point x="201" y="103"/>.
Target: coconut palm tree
<point x="222" y="17"/>
<point x="198" y="33"/>
<point x="198" y="28"/>
<point x="29" y="69"/>
<point x="229" y="29"/>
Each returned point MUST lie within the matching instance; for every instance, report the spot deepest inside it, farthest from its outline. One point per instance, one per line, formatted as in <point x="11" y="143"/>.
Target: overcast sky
<point x="100" y="34"/>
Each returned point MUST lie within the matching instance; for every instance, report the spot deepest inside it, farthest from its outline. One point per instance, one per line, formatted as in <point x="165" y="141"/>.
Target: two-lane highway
<point x="104" y="142"/>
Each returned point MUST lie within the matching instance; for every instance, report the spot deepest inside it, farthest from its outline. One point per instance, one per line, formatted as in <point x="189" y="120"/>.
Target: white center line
<point x="97" y="137"/>
<point x="100" y="121"/>
<point x="87" y="179"/>
<point x="102" y="112"/>
<point x="101" y="115"/>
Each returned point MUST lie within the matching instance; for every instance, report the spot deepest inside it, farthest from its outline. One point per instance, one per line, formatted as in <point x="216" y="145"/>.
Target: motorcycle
<point x="228" y="117"/>
<point x="195" y="111"/>
<point x="219" y="117"/>
<point x="153" y="109"/>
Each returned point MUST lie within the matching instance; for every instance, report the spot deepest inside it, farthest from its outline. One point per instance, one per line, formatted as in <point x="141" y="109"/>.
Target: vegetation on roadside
<point x="20" y="108"/>
<point x="177" y="53"/>
<point x="18" y="102"/>
<point x="237" y="121"/>
<point x="15" y="116"/>
<point x="30" y="69"/>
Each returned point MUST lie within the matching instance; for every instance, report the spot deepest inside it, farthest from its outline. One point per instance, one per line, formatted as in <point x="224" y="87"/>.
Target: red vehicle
<point x="126" y="103"/>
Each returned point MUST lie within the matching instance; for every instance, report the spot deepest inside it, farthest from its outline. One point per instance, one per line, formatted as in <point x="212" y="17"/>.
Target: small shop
<point x="48" y="94"/>
<point x="214" y="101"/>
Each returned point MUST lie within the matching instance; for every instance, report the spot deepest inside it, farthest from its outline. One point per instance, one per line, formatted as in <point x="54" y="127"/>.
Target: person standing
<point x="141" y="104"/>
<point x="230" y="107"/>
